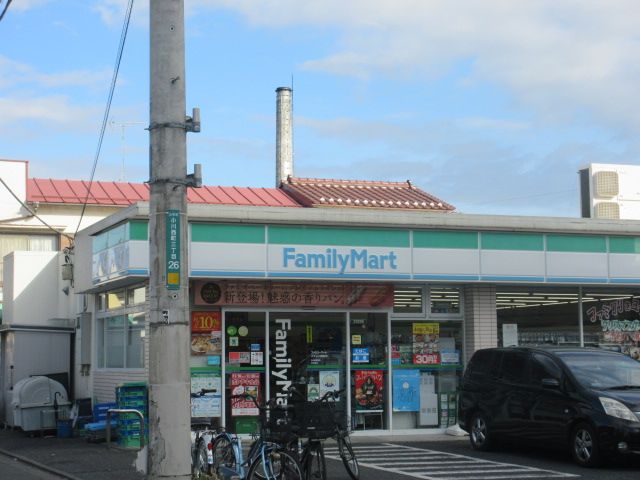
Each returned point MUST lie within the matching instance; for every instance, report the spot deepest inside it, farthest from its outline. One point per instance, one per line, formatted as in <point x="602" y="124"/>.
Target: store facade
<point x="387" y="306"/>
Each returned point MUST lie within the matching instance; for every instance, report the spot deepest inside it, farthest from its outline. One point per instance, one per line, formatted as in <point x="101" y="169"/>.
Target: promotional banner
<point x="206" y="333"/>
<point x="210" y="404"/>
<point x="244" y="384"/>
<point x="329" y="381"/>
<point x="369" y="389"/>
<point x="406" y="393"/>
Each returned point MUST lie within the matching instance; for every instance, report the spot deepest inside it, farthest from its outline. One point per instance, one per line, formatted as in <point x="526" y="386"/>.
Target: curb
<point x="38" y="465"/>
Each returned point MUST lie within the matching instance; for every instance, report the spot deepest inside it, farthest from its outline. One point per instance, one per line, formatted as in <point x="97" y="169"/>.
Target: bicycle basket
<point x="278" y="427"/>
<point x="315" y="419"/>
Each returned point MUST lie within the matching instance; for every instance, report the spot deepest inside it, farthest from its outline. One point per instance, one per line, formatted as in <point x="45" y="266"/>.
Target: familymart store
<point x="386" y="306"/>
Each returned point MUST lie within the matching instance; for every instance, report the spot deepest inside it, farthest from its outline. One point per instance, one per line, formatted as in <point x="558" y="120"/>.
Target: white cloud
<point x="562" y="59"/>
<point x="56" y="111"/>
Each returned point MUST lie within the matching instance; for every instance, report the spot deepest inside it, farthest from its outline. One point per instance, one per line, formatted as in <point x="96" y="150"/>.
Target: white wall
<point x="14" y="174"/>
<point x="33" y="290"/>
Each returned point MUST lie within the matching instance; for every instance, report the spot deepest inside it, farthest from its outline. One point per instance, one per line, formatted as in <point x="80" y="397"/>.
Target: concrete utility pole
<point x="169" y="332"/>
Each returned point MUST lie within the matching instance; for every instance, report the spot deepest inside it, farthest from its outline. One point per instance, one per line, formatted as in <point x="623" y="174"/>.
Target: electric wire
<point x="28" y="209"/>
<point x="123" y="37"/>
<point x="4" y="10"/>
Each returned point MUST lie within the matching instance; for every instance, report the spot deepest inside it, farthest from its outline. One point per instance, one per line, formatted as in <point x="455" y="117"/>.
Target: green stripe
<point x="576" y="243"/>
<point x="365" y="237"/>
<point x="445" y="239"/>
<point x="138" y="230"/>
<point x="624" y="244"/>
<point x="512" y="241"/>
<point x="202" y="232"/>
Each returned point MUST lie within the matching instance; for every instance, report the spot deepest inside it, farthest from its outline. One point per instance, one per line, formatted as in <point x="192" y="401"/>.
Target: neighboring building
<point x="610" y="191"/>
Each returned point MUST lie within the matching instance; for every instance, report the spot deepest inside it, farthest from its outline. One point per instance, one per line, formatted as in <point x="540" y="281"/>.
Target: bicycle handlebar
<point x="203" y="392"/>
<point x="333" y="394"/>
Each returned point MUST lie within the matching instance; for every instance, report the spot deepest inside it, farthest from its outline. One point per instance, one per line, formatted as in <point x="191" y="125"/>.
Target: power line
<point x="123" y="37"/>
<point x="4" y="10"/>
<point x="28" y="209"/>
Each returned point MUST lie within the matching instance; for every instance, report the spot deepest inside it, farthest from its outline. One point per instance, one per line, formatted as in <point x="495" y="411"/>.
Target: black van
<point x="587" y="399"/>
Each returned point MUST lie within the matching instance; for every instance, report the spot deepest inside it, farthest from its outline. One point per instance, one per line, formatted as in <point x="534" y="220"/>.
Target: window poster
<point x="313" y="392"/>
<point x="360" y="355"/>
<point x="369" y="389"/>
<point x="206" y="333"/>
<point x="406" y="393"/>
<point x="426" y="347"/>
<point x="244" y="384"/>
<point x="329" y="381"/>
<point x="210" y="404"/>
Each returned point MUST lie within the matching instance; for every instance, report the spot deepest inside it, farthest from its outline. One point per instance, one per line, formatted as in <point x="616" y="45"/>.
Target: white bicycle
<point x="202" y="436"/>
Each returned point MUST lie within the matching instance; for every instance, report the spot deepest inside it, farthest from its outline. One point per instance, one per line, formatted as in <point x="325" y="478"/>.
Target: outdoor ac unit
<point x="607" y="210"/>
<point x="606" y="184"/>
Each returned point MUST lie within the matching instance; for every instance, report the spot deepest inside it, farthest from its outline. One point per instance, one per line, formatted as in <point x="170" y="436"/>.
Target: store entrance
<point x="307" y="349"/>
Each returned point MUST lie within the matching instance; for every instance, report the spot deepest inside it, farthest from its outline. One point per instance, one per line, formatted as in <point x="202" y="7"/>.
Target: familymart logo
<point x="332" y="259"/>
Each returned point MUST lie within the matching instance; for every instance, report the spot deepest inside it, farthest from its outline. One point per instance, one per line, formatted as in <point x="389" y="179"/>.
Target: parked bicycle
<point x="202" y="434"/>
<point x="268" y="458"/>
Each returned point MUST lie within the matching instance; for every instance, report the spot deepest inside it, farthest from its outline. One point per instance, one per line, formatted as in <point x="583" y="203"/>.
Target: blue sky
<point x="491" y="105"/>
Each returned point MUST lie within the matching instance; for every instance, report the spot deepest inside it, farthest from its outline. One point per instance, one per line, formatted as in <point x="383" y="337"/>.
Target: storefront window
<point x="612" y="320"/>
<point x="408" y="300"/>
<point x="245" y="359"/>
<point x="120" y="334"/>
<point x="136" y="296"/>
<point x="308" y="350"/>
<point x="426" y="365"/>
<point x="369" y="377"/>
<point x="537" y="316"/>
<point x="444" y="301"/>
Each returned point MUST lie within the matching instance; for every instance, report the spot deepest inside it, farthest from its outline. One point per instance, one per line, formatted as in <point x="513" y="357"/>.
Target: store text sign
<point x="338" y="261"/>
<point x="291" y="294"/>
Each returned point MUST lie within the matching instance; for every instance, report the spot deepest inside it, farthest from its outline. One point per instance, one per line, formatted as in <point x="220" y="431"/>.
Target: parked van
<point x="586" y="399"/>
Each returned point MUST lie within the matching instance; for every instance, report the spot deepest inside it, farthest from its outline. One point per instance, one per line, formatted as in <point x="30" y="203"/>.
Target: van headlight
<point x="616" y="409"/>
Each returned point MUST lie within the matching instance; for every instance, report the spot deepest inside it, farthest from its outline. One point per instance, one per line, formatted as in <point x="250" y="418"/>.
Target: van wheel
<point x="480" y="435"/>
<point x="584" y="446"/>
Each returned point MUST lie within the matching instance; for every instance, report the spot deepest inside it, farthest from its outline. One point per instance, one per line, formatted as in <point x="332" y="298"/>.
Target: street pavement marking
<point x="434" y="465"/>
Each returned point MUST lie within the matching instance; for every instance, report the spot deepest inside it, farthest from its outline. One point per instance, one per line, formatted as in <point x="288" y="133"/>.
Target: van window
<point x="543" y="366"/>
<point x="514" y="367"/>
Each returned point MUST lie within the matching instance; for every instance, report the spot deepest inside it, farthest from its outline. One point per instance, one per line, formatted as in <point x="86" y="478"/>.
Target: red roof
<point x="126" y="193"/>
<point x="317" y="192"/>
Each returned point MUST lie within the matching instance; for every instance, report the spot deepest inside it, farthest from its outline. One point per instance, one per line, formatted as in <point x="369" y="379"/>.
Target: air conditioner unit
<point x="607" y="210"/>
<point x="606" y="184"/>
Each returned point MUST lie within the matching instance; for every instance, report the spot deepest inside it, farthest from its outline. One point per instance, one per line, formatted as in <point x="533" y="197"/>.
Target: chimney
<point x="284" y="135"/>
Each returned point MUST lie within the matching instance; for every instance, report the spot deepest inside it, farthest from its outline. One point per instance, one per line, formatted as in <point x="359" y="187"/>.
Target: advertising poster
<point x="313" y="392"/>
<point x="369" y="389"/>
<point x="406" y="393"/>
<point x="426" y="337"/>
<point x="209" y="405"/>
<point x="206" y="333"/>
<point x="329" y="381"/>
<point x="360" y="355"/>
<point x="244" y="384"/>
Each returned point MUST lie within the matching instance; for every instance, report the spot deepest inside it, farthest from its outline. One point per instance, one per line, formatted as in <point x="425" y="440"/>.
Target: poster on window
<point x="369" y="386"/>
<point x="329" y="381"/>
<point x="244" y="384"/>
<point x="406" y="390"/>
<point x="206" y="333"/>
<point x="426" y="337"/>
<point x="210" y="404"/>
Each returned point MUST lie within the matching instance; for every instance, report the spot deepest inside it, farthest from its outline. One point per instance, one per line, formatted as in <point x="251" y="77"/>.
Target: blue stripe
<point x="338" y="275"/>
<point x="624" y="280"/>
<point x="577" y="280"/>
<point x="223" y="273"/>
<point x="503" y="278"/>
<point x="446" y="277"/>
<point x="138" y="271"/>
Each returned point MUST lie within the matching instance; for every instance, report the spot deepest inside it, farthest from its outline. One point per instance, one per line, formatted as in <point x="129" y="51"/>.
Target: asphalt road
<point x="455" y="460"/>
<point x="12" y="469"/>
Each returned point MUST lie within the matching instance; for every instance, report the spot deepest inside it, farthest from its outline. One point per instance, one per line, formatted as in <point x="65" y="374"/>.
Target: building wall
<point x="481" y="329"/>
<point x="14" y="174"/>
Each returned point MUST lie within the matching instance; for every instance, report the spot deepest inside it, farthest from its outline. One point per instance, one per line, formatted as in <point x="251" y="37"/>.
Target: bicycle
<point x="201" y="437"/>
<point x="267" y="459"/>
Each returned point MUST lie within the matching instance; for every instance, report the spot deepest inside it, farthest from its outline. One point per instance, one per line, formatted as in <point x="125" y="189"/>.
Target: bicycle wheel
<point x="223" y="454"/>
<point x="275" y="465"/>
<point x="347" y="455"/>
<point x="201" y="466"/>
<point x="315" y="465"/>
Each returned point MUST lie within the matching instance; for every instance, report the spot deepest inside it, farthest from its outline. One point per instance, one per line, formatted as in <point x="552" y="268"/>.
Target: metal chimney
<point x="284" y="135"/>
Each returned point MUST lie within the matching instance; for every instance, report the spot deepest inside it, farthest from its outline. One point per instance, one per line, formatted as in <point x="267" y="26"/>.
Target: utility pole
<point x="169" y="329"/>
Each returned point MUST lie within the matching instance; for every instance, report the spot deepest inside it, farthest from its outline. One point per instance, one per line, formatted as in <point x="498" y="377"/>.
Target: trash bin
<point x="65" y="429"/>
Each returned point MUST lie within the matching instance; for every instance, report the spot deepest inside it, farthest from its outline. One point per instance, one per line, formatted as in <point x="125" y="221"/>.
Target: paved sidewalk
<point x="72" y="458"/>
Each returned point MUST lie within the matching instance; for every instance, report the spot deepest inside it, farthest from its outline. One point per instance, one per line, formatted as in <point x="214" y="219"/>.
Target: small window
<point x="408" y="300"/>
<point x="136" y="296"/>
<point x="115" y="300"/>
<point x="444" y="300"/>
<point x="514" y="367"/>
<point x="543" y="366"/>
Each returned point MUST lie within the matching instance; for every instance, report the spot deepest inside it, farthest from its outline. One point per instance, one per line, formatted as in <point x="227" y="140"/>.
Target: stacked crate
<point x="132" y="396"/>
